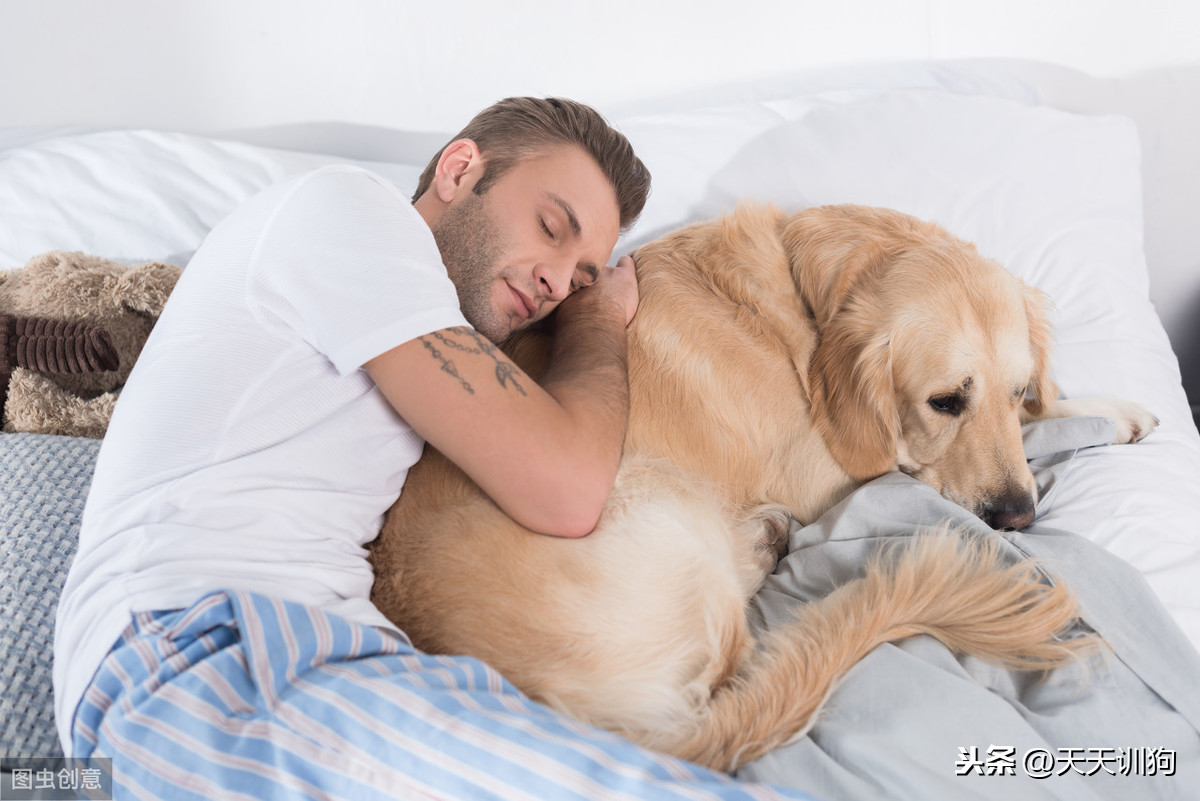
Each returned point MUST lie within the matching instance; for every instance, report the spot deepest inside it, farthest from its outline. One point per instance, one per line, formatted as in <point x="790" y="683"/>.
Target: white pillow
<point x="1053" y="196"/>
<point x="137" y="195"/>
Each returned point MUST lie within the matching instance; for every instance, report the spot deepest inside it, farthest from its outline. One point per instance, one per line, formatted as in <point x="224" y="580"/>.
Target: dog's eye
<point x="947" y="404"/>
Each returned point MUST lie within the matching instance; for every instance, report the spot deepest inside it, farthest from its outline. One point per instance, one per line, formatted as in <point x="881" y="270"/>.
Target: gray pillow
<point x="44" y="481"/>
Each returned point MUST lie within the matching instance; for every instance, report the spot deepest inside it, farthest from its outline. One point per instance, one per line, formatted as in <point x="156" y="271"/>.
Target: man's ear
<point x="458" y="167"/>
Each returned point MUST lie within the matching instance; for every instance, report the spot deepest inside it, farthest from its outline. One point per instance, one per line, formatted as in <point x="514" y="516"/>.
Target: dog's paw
<point x="1134" y="423"/>
<point x="764" y="532"/>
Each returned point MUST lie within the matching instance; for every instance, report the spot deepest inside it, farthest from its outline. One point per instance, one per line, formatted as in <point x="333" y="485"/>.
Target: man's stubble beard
<point x="471" y="248"/>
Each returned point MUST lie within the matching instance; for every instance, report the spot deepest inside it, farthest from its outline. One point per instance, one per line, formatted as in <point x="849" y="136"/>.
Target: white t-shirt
<point x="249" y="450"/>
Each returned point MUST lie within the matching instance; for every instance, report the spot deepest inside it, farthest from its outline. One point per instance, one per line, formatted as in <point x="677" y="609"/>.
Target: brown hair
<point x="520" y="127"/>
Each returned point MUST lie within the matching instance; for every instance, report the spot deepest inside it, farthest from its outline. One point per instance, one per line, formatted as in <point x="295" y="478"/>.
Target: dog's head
<point x="927" y="354"/>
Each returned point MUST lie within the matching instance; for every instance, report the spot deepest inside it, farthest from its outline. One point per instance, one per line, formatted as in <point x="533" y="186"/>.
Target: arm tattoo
<point x="506" y="372"/>
<point x="447" y="365"/>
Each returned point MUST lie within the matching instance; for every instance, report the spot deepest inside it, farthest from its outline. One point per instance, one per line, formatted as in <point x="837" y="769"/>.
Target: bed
<point x="1055" y="196"/>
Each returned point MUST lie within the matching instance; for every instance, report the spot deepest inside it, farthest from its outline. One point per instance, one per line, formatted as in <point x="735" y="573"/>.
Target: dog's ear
<point x="1042" y="392"/>
<point x="833" y="249"/>
<point x="837" y="254"/>
<point x="853" y="395"/>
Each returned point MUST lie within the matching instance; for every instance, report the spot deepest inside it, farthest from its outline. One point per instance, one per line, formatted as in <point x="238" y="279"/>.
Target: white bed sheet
<point x="1055" y="197"/>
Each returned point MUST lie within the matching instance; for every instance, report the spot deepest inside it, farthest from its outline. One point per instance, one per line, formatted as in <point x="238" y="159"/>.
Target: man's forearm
<point x="589" y="359"/>
<point x="588" y="376"/>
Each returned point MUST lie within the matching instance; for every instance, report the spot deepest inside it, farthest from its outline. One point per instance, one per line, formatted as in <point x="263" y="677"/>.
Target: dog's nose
<point x="1009" y="512"/>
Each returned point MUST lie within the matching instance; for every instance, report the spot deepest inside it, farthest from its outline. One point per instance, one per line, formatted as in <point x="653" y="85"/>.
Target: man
<point x="319" y="336"/>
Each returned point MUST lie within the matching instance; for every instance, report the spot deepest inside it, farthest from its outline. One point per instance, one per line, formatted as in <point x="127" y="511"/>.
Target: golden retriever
<point x="776" y="362"/>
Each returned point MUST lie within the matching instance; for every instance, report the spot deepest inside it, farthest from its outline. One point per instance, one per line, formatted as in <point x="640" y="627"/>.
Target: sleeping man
<point x="215" y="637"/>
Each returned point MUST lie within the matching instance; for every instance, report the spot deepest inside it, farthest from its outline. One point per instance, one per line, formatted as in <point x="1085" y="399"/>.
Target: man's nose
<point x="554" y="278"/>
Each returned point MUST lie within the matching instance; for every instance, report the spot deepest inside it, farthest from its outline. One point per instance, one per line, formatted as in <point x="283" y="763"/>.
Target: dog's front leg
<point x="1134" y="422"/>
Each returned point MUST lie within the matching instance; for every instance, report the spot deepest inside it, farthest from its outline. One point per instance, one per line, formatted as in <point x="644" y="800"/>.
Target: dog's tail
<point x="952" y="587"/>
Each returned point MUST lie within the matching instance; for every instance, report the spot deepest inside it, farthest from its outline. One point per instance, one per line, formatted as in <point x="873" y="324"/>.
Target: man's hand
<point x="617" y="285"/>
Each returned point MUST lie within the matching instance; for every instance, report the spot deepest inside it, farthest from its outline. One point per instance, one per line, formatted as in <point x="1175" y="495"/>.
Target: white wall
<point x="204" y="65"/>
<point x="219" y="65"/>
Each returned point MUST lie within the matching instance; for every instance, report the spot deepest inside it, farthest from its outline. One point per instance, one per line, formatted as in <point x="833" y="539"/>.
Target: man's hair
<point x="518" y="128"/>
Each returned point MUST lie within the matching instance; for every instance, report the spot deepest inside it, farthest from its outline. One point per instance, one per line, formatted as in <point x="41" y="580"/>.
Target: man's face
<point x="541" y="231"/>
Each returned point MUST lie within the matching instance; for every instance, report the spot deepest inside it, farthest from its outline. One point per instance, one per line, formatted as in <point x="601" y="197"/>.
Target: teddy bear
<point x="71" y="327"/>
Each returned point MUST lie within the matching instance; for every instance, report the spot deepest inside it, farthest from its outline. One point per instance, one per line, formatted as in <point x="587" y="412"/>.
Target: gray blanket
<point x="912" y="721"/>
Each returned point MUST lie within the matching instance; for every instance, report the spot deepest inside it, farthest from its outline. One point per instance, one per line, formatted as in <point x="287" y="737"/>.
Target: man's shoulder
<point x="340" y="204"/>
<point x="340" y="182"/>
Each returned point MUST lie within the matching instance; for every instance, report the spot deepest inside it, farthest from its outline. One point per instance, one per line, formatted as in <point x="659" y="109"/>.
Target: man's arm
<point x="548" y="454"/>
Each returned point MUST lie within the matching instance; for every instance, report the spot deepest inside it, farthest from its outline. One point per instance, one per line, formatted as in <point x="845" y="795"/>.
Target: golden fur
<point x="776" y="362"/>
